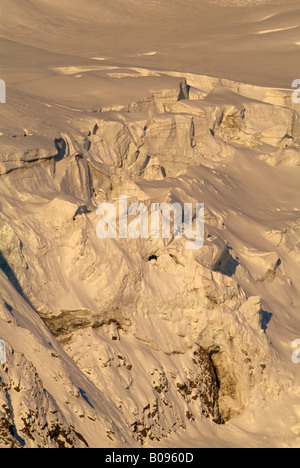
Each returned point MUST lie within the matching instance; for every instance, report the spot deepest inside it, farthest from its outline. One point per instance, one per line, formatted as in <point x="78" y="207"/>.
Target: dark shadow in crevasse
<point x="265" y="319"/>
<point x="7" y="270"/>
<point x="61" y="148"/>
<point x="85" y="397"/>
<point x="226" y="265"/>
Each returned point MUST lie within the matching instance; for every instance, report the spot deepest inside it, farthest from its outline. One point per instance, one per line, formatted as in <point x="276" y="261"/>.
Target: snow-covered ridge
<point x="157" y="340"/>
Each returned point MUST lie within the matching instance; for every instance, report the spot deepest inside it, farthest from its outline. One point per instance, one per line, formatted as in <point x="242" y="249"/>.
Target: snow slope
<point x="149" y="343"/>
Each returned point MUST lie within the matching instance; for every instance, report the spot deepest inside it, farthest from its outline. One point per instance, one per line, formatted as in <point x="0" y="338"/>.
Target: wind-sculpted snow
<point x="162" y="339"/>
<point x="45" y="400"/>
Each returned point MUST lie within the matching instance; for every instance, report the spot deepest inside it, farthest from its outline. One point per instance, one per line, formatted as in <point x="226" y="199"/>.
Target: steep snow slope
<point x="45" y="399"/>
<point x="154" y="344"/>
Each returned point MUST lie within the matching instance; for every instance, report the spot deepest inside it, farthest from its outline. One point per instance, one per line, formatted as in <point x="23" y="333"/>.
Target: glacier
<point x="123" y="342"/>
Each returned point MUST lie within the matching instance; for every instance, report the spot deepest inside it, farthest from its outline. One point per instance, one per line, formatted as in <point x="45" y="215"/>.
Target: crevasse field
<point x="124" y="342"/>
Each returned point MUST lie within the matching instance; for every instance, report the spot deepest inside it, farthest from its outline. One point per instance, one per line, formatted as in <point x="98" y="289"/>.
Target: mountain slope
<point x="142" y="342"/>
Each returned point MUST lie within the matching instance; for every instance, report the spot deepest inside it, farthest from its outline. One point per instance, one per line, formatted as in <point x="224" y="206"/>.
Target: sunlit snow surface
<point x="150" y="344"/>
